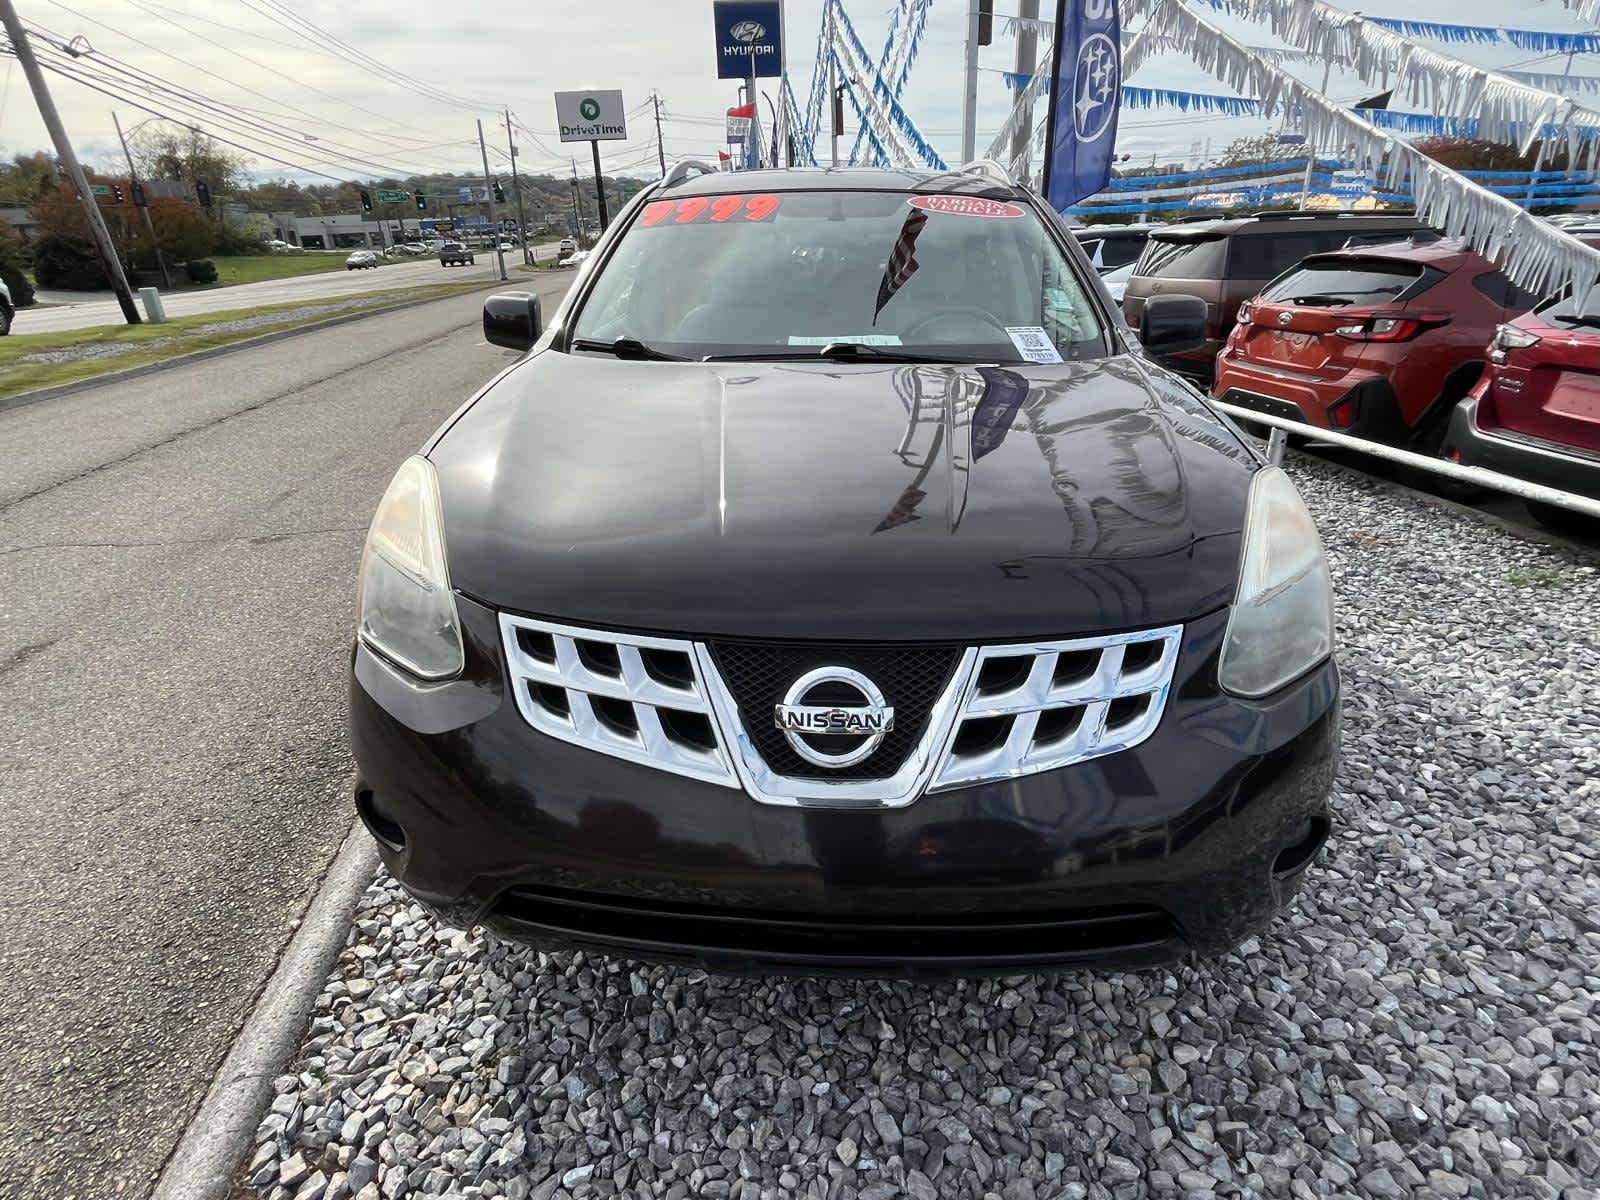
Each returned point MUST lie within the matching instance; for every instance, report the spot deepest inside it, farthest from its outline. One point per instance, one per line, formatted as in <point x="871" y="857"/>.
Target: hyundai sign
<point x="746" y="30"/>
<point x="594" y="116"/>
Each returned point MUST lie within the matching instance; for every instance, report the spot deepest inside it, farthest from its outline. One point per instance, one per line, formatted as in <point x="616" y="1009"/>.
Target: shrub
<point x="230" y="238"/>
<point x="70" y="263"/>
<point x="201" y="270"/>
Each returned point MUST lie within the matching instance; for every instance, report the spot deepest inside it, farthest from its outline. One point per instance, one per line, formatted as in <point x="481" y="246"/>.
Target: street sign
<point x="100" y="189"/>
<point x="746" y="30"/>
<point x="386" y="196"/>
<point x="739" y="119"/>
<point x="595" y="116"/>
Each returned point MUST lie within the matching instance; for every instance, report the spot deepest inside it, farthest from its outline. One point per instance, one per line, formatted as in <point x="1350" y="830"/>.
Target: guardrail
<point x="1281" y="427"/>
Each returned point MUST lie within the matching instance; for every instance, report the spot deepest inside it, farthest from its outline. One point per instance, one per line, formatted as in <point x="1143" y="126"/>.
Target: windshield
<point x="759" y="274"/>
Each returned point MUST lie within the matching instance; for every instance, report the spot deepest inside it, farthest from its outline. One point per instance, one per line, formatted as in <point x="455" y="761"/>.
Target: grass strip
<point x="40" y="360"/>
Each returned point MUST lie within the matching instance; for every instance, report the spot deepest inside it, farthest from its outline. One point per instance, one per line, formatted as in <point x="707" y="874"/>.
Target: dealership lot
<point x="1426" y="1020"/>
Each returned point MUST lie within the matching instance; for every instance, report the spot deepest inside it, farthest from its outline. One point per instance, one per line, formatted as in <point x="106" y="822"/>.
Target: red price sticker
<point x="656" y="212"/>
<point x="697" y="210"/>
<point x="760" y="207"/>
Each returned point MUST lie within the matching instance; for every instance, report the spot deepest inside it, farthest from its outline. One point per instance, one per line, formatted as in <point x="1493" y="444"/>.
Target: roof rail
<point x="1326" y="214"/>
<point x="988" y="168"/>
<point x="682" y="169"/>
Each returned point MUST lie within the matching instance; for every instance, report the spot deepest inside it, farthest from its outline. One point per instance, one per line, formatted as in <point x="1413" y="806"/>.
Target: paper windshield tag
<point x="1033" y="344"/>
<point x="860" y="339"/>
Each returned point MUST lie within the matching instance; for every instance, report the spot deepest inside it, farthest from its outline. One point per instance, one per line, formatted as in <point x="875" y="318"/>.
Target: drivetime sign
<point x="746" y="30"/>
<point x="594" y="116"/>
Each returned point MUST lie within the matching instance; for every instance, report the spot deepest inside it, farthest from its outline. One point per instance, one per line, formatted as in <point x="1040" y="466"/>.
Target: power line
<point x="143" y="6"/>
<point x="151" y="79"/>
<point x="360" y="58"/>
<point x="210" y="112"/>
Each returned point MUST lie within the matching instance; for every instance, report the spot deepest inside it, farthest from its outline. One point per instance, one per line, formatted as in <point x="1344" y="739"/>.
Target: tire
<point x="5" y="320"/>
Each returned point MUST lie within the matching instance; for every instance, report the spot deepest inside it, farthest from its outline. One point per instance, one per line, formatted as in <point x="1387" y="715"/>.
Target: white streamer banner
<point x="1531" y="251"/>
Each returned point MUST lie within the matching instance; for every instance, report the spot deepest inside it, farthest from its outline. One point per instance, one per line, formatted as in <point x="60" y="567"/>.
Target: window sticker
<point x="965" y="206"/>
<point x="714" y="210"/>
<point x="860" y="339"/>
<point x="1033" y="344"/>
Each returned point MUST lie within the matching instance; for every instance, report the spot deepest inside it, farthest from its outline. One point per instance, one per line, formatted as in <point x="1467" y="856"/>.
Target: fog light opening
<point x="1298" y="856"/>
<point x="383" y="828"/>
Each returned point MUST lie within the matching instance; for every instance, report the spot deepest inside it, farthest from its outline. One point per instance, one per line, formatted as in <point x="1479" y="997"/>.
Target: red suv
<point x="1380" y="341"/>
<point x="1535" y="413"/>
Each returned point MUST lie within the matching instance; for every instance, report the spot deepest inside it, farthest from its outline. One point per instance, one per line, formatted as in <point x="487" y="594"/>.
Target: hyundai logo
<point x="748" y="31"/>
<point x="867" y="723"/>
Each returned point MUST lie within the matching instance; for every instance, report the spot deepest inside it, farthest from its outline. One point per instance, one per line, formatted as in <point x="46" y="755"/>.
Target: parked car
<point x="1227" y="262"/>
<point x="1112" y="246"/>
<point x="455" y="254"/>
<point x="278" y="246"/>
<point x="567" y="248"/>
<point x="771" y="615"/>
<point x="1380" y="342"/>
<point x="361" y="260"/>
<point x="7" y="309"/>
<point x="1116" y="281"/>
<point x="1535" y="413"/>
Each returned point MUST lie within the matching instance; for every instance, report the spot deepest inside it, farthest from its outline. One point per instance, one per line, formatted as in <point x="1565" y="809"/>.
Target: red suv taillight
<point x="1392" y="329"/>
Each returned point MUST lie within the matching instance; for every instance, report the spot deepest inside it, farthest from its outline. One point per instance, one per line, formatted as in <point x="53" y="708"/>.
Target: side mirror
<point x="1172" y="324"/>
<point x="513" y="320"/>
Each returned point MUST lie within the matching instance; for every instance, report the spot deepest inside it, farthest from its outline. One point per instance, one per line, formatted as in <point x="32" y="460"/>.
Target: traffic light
<point x="202" y="193"/>
<point x="366" y="200"/>
<point x="116" y="192"/>
<point x="422" y="201"/>
<point x="138" y="195"/>
<point x="499" y="193"/>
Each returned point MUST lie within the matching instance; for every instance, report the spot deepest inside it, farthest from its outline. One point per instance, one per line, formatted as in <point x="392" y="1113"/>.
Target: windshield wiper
<point x="838" y="351"/>
<point x="627" y="347"/>
<point x="1322" y="298"/>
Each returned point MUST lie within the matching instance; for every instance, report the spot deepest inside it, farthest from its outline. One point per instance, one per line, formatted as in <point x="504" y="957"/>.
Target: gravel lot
<point x="1425" y="1022"/>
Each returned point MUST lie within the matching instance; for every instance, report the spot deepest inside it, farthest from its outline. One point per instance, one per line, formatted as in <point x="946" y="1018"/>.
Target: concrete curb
<point x="217" y="1139"/>
<point x="23" y="399"/>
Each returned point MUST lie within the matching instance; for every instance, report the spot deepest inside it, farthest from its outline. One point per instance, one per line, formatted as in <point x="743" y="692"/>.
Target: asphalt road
<point x="177" y="574"/>
<point x="103" y="309"/>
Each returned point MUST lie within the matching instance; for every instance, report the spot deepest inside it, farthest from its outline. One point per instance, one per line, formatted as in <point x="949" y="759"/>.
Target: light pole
<point x="140" y="200"/>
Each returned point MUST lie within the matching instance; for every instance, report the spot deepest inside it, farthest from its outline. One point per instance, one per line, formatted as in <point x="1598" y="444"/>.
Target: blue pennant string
<point x="1481" y="34"/>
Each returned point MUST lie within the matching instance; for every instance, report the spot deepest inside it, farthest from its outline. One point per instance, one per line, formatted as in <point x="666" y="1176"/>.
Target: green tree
<point x="26" y="177"/>
<point x="164" y="151"/>
<point x="13" y="261"/>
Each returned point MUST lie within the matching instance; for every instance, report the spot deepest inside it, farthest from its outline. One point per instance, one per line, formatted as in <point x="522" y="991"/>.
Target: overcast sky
<point x="481" y="53"/>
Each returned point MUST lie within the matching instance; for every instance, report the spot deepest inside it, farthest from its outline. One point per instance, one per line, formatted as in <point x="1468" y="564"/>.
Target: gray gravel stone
<point x="1424" y="1020"/>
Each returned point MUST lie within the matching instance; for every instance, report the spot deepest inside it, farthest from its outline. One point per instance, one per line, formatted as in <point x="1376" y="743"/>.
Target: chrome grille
<point x="1004" y="711"/>
<point x="635" y="697"/>
<point x="1060" y="703"/>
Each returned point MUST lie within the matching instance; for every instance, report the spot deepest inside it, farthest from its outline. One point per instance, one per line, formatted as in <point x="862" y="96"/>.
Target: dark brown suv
<point x="1227" y="262"/>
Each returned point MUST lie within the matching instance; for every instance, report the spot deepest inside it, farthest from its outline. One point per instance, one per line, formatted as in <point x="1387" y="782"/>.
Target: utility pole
<point x="661" y="153"/>
<point x="577" y="208"/>
<point x="58" y="135"/>
<point x="969" y="92"/>
<point x="1026" y="64"/>
<point x="488" y="184"/>
<point x="516" y="187"/>
<point x="833" y="89"/>
<point x="144" y="206"/>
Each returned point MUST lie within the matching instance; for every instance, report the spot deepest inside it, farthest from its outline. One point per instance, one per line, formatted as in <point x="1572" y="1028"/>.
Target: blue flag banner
<point x="1085" y="93"/>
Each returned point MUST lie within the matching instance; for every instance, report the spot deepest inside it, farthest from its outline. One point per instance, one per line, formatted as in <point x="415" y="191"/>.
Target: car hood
<point x="843" y="501"/>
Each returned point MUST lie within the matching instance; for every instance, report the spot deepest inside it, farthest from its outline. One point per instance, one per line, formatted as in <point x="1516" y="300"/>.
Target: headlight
<point x="407" y="611"/>
<point x="1282" y="620"/>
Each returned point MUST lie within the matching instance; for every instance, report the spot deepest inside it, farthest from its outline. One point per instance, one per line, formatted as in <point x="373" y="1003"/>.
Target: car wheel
<point x="5" y="320"/>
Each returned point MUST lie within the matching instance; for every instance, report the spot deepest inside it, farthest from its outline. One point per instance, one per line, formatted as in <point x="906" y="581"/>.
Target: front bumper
<point x="1188" y="842"/>
<point x="1527" y="458"/>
